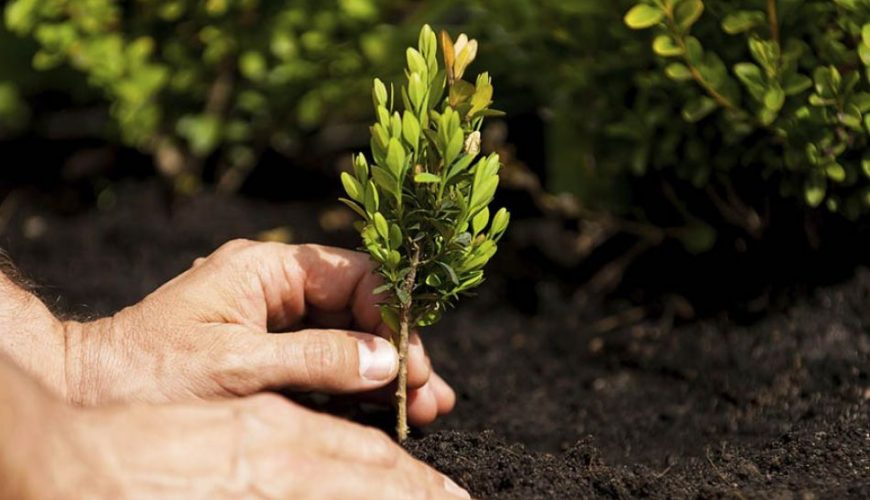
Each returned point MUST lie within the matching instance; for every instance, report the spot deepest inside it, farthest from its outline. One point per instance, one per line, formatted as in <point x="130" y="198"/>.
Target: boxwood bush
<point x="220" y="79"/>
<point x="700" y="93"/>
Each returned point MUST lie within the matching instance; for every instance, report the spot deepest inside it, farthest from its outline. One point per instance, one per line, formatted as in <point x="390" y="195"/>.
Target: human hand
<point x="204" y="334"/>
<point x="258" y="446"/>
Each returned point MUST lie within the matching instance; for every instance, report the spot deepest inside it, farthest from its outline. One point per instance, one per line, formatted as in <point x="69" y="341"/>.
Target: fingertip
<point x="445" y="396"/>
<point x="422" y="406"/>
<point x="378" y="360"/>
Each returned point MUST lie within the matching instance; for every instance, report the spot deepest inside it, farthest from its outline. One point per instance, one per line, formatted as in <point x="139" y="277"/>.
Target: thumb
<point x="335" y="361"/>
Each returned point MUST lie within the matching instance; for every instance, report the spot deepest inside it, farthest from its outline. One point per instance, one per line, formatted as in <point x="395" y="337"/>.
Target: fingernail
<point x="454" y="489"/>
<point x="377" y="359"/>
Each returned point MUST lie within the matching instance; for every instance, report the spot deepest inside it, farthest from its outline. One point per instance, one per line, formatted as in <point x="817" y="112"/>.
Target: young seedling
<point x="424" y="199"/>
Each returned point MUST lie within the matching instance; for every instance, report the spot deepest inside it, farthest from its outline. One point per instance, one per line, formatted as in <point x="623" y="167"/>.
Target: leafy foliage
<point x="694" y="90"/>
<point x="227" y="78"/>
<point x="424" y="199"/>
<point x="809" y="100"/>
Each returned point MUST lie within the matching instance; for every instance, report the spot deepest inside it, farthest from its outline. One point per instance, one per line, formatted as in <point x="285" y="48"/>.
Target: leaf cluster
<point x="681" y="102"/>
<point x="807" y="90"/>
<point x="424" y="198"/>
<point x="217" y="78"/>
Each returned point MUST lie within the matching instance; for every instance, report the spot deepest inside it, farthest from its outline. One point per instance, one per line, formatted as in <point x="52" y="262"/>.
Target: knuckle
<point x="233" y="247"/>
<point x="229" y="368"/>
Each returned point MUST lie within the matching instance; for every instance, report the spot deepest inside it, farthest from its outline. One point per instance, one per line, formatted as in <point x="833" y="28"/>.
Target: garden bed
<point x="548" y="406"/>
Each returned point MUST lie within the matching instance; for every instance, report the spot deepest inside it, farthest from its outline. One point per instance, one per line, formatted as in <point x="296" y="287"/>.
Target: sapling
<point x="424" y="198"/>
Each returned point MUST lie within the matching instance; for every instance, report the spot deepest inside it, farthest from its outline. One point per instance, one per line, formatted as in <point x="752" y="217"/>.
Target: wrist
<point x="31" y="337"/>
<point x="85" y="380"/>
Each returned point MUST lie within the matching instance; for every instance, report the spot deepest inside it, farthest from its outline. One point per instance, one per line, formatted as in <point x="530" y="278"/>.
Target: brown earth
<point x="548" y="406"/>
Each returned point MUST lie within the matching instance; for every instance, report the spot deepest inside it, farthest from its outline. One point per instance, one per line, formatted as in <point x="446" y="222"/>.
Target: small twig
<point x="628" y="317"/>
<point x="401" y="343"/>
<point x="773" y="18"/>
<point x="664" y="472"/>
<point x="715" y="467"/>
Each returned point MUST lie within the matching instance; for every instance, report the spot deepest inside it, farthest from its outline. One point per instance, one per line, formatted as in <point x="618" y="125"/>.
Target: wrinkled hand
<point x="205" y="334"/>
<point x="261" y="446"/>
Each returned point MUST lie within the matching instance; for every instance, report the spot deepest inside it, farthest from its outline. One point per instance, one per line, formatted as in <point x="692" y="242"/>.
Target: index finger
<point x="330" y="279"/>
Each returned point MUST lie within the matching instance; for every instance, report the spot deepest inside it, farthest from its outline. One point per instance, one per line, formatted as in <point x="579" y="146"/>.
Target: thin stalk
<point x="401" y="342"/>
<point x="698" y="77"/>
<point x="773" y="18"/>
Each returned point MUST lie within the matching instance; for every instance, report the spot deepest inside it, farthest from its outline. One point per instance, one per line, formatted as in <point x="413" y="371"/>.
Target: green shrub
<point x="699" y="91"/>
<point x="219" y="79"/>
<point x="424" y="200"/>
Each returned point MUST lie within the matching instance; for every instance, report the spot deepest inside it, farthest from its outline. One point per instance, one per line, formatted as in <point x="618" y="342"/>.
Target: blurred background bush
<point x="711" y="123"/>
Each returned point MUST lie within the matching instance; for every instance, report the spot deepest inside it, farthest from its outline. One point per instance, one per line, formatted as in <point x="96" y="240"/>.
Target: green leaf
<point x="390" y="318"/>
<point x="454" y="147"/>
<point x="481" y="196"/>
<point x="429" y="319"/>
<point x="416" y="90"/>
<point x="750" y="75"/>
<point x="352" y="187"/>
<point x="694" y="51"/>
<point x="643" y="16"/>
<point x="396" y="158"/>
<point x="416" y="62"/>
<point x="360" y="167"/>
<point x="827" y="81"/>
<point x="796" y="83"/>
<point x="385" y="180"/>
<point x="383" y="119"/>
<point x="372" y="200"/>
<point x="472" y="281"/>
<point x="433" y="280"/>
<point x="743" y="21"/>
<point x="499" y="223"/>
<point x="381" y="226"/>
<point x="395" y="236"/>
<point x="426" y="178"/>
<point x="450" y="272"/>
<point x="353" y="206"/>
<point x="481" y="99"/>
<point x="394" y="258"/>
<point x="774" y="98"/>
<point x="460" y="92"/>
<point x="379" y="93"/>
<point x="403" y="296"/>
<point x="864" y="53"/>
<point x="687" y="13"/>
<point x="411" y="129"/>
<point x="678" y="72"/>
<point x="835" y="172"/>
<point x="479" y="222"/>
<point x="252" y="65"/>
<point x="697" y="109"/>
<point x="459" y="166"/>
<point x="665" y="46"/>
<point x="203" y="132"/>
<point x="814" y="190"/>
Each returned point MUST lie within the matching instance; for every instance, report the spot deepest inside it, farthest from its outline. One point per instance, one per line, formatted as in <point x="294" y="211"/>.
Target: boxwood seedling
<point x="424" y="198"/>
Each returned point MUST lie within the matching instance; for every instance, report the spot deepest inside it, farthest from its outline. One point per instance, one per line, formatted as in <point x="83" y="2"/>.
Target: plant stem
<point x="773" y="19"/>
<point x="405" y="319"/>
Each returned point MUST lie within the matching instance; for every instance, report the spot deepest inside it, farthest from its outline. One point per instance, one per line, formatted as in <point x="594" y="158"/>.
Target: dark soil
<point x="549" y="406"/>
